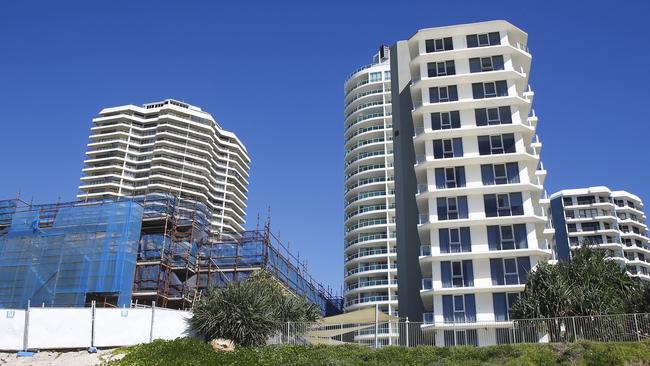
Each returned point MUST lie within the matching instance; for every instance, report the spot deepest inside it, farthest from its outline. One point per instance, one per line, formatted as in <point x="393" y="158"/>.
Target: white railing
<point x="436" y="332"/>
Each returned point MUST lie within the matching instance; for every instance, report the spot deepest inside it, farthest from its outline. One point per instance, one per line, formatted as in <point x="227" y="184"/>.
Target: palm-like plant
<point x="249" y="312"/>
<point x="588" y="285"/>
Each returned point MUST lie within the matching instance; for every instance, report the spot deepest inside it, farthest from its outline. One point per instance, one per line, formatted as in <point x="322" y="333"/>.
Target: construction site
<point x="139" y="250"/>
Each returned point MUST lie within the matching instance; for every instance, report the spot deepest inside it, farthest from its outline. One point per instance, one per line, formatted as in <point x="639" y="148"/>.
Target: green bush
<point x="249" y="312"/>
<point x="188" y="351"/>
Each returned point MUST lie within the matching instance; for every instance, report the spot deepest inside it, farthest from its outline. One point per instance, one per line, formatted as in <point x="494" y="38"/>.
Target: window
<point x="503" y="303"/>
<point x="452" y="148"/>
<point x="375" y="76"/>
<point x="483" y="39"/>
<point x="492" y="174"/>
<point x="445" y="120"/>
<point x="450" y="177"/>
<point x="437" y="45"/>
<point x="483" y="64"/>
<point x="386" y="75"/>
<point x="490" y="89"/>
<point x="455" y="245"/>
<point x="467" y="337"/>
<point x="493" y="116"/>
<point x="455" y="240"/>
<point x="507" y="237"/>
<point x="496" y="144"/>
<point x="590" y="226"/>
<point x="506" y="204"/>
<point x="459" y="308"/>
<point x="443" y="94"/>
<point x="586" y="200"/>
<point x="444" y="68"/>
<point x="509" y="271"/>
<point x="457" y="274"/>
<point x="568" y="201"/>
<point x="452" y="208"/>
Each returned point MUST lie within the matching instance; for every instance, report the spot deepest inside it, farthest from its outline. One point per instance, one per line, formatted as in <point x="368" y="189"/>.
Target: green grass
<point x="188" y="351"/>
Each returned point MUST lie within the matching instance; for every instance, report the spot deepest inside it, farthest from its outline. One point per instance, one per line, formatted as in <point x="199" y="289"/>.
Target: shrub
<point x="249" y="312"/>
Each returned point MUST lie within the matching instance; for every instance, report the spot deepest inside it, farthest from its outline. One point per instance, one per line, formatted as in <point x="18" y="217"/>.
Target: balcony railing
<point x="425" y="250"/>
<point x="423" y="219"/>
<point x="427" y="284"/>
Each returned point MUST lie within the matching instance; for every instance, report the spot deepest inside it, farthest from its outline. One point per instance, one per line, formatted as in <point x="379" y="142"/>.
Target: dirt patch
<point x="53" y="358"/>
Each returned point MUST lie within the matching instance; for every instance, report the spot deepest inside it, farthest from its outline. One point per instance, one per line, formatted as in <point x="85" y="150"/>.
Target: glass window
<point x="454" y="241"/>
<point x="510" y="271"/>
<point x="447" y="149"/>
<point x="500" y="174"/>
<point x="437" y="45"/>
<point x="457" y="274"/>
<point x="507" y="238"/>
<point x="459" y="308"/>
<point x="452" y="208"/>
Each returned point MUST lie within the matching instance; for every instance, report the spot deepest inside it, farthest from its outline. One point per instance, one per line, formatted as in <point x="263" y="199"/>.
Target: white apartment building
<point x="470" y="203"/>
<point x="370" y="272"/>
<point x="611" y="220"/>
<point x="168" y="147"/>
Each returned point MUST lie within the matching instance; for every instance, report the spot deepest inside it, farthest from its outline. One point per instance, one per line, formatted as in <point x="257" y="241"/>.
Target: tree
<point x="590" y="284"/>
<point x="249" y="312"/>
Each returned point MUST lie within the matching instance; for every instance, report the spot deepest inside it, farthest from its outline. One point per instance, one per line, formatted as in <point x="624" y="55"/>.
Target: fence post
<point x="153" y="313"/>
<point x="26" y="329"/>
<point x="341" y="336"/>
<point x="407" y="331"/>
<point x="376" y="326"/>
<point x="575" y="333"/>
<point x="92" y="325"/>
<point x="638" y="332"/>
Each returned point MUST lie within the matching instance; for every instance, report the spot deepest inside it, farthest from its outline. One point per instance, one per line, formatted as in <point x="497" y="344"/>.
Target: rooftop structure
<point x="168" y="147"/>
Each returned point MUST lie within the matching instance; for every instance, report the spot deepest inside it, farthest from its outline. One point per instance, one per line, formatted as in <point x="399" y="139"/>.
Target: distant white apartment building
<point x="370" y="272"/>
<point x="470" y="203"/>
<point x="611" y="220"/>
<point x="168" y="147"/>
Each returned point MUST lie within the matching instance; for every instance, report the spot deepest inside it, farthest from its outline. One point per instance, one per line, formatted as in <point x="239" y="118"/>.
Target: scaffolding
<point x="67" y="254"/>
<point x="154" y="247"/>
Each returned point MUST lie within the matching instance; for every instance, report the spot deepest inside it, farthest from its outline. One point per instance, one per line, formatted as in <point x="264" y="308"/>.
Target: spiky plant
<point x="249" y="312"/>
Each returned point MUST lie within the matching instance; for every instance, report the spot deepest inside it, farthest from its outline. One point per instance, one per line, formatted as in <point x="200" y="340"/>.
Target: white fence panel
<point x="170" y="324"/>
<point x="12" y="323"/>
<point x="122" y="327"/>
<point x="59" y="328"/>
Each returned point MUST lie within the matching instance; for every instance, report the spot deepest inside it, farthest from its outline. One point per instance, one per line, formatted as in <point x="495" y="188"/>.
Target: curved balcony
<point x="371" y="284"/>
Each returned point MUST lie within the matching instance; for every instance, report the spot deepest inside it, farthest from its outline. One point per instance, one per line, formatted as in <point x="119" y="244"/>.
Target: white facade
<point x="611" y="220"/>
<point x="480" y="197"/>
<point x="169" y="147"/>
<point x="370" y="273"/>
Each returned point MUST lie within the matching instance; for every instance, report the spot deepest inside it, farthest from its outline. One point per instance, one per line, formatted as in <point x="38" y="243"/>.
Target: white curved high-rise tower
<point x="370" y="257"/>
<point x="168" y="147"/>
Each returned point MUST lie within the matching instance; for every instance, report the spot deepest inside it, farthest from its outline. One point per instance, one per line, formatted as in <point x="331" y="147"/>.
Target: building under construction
<point x="149" y="248"/>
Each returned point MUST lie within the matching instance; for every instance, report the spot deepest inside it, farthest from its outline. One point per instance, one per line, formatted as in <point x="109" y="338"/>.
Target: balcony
<point x="424" y="219"/>
<point x="425" y="250"/>
<point x="371" y="283"/>
<point x="427" y="284"/>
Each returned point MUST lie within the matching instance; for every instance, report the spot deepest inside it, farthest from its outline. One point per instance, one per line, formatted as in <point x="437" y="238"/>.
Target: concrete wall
<point x="61" y="328"/>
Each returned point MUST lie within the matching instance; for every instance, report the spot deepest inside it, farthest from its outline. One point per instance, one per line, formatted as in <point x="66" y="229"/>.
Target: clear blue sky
<point x="273" y="71"/>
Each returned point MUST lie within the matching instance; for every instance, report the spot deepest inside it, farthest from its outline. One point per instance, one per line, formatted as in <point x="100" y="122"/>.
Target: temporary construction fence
<point x="37" y="328"/>
<point x="604" y="328"/>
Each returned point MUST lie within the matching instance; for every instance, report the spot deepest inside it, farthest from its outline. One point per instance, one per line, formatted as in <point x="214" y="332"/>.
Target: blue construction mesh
<point x="62" y="254"/>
